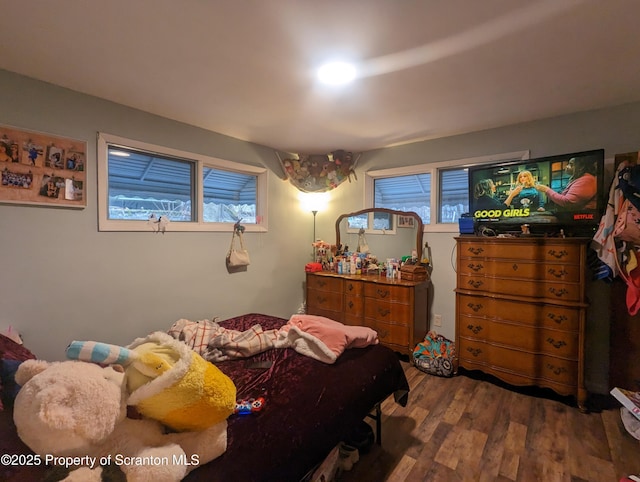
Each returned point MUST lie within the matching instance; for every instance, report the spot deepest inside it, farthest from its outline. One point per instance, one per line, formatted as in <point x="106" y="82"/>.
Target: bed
<point x="309" y="407"/>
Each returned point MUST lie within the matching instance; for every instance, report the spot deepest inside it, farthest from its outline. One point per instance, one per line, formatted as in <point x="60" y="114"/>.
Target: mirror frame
<point x="418" y="220"/>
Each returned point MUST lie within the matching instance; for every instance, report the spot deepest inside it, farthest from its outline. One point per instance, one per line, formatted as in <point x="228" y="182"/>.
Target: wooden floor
<point x="471" y="428"/>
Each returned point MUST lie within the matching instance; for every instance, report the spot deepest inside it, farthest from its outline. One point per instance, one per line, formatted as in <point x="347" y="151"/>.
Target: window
<point x="371" y="223"/>
<point x="437" y="192"/>
<point x="404" y="193"/>
<point x="194" y="192"/>
<point x="229" y="196"/>
<point x="454" y="194"/>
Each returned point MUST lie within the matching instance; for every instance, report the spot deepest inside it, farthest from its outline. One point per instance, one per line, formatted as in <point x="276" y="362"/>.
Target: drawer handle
<point x="350" y="304"/>
<point x="474" y="351"/>
<point x="476" y="284"/>
<point x="475" y="307"/>
<point x="321" y="300"/>
<point x="556" y="344"/>
<point x="475" y="251"/>
<point x="350" y="286"/>
<point x="558" y="274"/>
<point x="383" y="293"/>
<point x="514" y="267"/>
<point x="322" y="283"/>
<point x="475" y="267"/>
<point x="559" y="319"/>
<point x="382" y="333"/>
<point x="475" y="329"/>
<point x="559" y="293"/>
<point x="556" y="370"/>
<point x="558" y="254"/>
<point x="383" y="312"/>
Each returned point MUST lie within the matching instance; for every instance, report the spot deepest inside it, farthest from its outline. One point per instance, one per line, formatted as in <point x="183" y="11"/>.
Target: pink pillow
<point x="336" y="336"/>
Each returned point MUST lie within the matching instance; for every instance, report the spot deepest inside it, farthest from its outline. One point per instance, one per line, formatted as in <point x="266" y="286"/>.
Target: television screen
<point x="548" y="193"/>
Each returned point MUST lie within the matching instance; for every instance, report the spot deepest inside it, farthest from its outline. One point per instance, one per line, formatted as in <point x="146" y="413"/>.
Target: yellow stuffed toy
<point x="166" y="380"/>
<point x="186" y="393"/>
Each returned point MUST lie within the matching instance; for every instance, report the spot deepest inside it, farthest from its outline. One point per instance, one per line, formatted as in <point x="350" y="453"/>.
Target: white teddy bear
<point x="78" y="409"/>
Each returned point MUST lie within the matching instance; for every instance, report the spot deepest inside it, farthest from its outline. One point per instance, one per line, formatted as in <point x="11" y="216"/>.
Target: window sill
<point x="177" y="227"/>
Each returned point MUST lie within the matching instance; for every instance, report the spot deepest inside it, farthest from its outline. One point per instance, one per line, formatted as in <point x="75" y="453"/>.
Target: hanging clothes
<point x="617" y="254"/>
<point x="604" y="242"/>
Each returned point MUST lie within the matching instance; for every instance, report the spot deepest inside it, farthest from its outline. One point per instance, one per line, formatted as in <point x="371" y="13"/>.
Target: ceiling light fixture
<point x="336" y="73"/>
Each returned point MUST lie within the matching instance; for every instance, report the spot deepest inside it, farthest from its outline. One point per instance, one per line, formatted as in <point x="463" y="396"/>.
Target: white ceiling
<point x="245" y="68"/>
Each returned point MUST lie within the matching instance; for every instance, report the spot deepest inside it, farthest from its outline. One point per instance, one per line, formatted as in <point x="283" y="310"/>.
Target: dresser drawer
<point x="476" y="351"/>
<point x="534" y="366"/>
<point x="352" y="287"/>
<point x="502" y="249"/>
<point x="390" y="333"/>
<point x="530" y="366"/>
<point x="521" y="269"/>
<point x="324" y="283"/>
<point x="350" y="320"/>
<point x="388" y="312"/>
<point x="324" y="300"/>
<point x="529" y="313"/>
<point x="523" y="337"/>
<point x="353" y="309"/>
<point x="394" y="294"/>
<point x="516" y="287"/>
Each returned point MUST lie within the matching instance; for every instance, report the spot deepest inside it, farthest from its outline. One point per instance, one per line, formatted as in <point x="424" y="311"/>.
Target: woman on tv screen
<point x="525" y="194"/>
<point x="484" y="194"/>
<point x="582" y="188"/>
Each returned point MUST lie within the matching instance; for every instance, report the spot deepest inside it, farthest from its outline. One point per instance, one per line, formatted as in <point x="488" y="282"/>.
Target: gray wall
<point x="61" y="279"/>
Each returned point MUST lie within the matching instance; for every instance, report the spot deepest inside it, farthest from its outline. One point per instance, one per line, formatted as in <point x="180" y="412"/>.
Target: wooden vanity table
<point x="397" y="309"/>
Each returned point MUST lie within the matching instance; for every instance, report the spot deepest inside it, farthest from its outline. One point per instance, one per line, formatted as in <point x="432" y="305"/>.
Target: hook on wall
<point x="238" y="228"/>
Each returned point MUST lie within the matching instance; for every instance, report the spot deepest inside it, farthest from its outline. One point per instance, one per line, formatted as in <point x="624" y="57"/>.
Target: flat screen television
<point x="549" y="194"/>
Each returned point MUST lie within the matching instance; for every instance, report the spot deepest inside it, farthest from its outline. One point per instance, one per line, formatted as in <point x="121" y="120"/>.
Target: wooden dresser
<point x="520" y="310"/>
<point x="397" y="310"/>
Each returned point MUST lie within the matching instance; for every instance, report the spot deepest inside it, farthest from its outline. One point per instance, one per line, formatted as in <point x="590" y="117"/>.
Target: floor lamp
<point x="314" y="211"/>
<point x="314" y="202"/>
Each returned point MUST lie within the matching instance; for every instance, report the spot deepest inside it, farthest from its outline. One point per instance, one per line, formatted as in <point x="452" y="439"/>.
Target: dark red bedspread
<point x="309" y="407"/>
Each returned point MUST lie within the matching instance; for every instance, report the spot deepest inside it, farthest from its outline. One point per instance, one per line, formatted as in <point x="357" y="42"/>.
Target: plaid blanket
<point x="215" y="343"/>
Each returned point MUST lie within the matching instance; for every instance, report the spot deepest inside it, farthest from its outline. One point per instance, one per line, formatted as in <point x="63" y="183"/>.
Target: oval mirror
<point x="388" y="233"/>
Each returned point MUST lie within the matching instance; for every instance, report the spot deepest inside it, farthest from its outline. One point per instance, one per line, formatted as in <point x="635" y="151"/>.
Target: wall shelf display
<point x="42" y="169"/>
